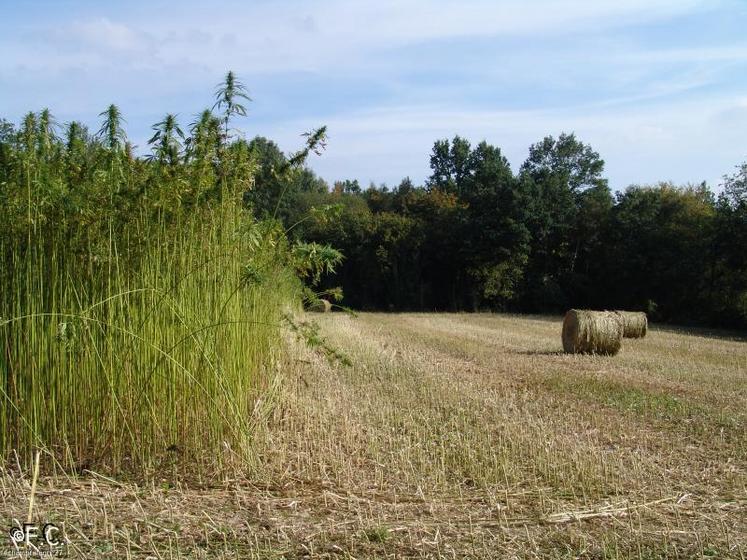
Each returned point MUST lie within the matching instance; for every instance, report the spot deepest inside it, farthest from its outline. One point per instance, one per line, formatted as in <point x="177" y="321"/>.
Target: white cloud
<point x="301" y="36"/>
<point x="416" y="20"/>
<point x="574" y="55"/>
<point x="100" y="35"/>
<point x="340" y="32"/>
<point x="107" y="34"/>
<point x="674" y="141"/>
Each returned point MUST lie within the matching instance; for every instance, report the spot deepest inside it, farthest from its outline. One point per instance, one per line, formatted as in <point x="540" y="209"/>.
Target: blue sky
<point x="658" y="87"/>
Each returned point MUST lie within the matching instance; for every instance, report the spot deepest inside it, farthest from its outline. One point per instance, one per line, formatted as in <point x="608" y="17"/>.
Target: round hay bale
<point x="321" y="306"/>
<point x="635" y="323"/>
<point x="592" y="332"/>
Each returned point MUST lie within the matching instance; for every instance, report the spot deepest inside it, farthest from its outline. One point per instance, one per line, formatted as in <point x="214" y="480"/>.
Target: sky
<point x="657" y="87"/>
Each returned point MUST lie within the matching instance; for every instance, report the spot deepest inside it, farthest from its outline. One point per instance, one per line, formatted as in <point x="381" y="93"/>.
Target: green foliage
<point x="143" y="301"/>
<point x="451" y="164"/>
<point x="312" y="260"/>
<point x="567" y="201"/>
<point x="460" y="242"/>
<point x="167" y="141"/>
<point x="308" y="332"/>
<point x="735" y="187"/>
<point x="280" y="181"/>
<point x="112" y="132"/>
<point x="728" y="277"/>
<point x="574" y="163"/>
<point x="377" y="534"/>
<point x="229" y="97"/>
<point x="547" y="238"/>
<point x="110" y="358"/>
<point x="660" y="245"/>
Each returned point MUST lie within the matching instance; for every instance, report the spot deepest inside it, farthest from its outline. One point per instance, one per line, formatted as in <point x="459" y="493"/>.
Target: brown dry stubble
<point x="461" y="435"/>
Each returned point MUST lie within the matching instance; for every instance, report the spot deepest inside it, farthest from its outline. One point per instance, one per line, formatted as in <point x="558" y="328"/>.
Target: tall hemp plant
<point x="130" y="338"/>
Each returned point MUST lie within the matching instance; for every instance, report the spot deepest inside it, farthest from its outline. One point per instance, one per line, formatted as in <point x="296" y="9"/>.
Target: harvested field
<point x="452" y="436"/>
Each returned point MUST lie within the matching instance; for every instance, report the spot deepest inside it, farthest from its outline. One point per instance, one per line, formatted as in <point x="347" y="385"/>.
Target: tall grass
<point x="140" y="301"/>
<point x="158" y="347"/>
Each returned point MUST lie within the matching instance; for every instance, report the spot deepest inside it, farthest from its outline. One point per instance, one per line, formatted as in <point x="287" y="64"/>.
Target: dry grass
<point x="455" y="436"/>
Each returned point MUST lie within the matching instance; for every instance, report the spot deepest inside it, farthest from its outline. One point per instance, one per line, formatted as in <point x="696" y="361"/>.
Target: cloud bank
<point x="657" y="86"/>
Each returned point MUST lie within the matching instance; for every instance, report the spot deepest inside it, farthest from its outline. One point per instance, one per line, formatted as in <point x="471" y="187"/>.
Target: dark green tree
<point x="567" y="198"/>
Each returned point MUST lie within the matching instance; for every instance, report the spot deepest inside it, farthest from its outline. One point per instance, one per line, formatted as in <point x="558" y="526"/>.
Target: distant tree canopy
<point x="549" y="237"/>
<point x="476" y="235"/>
<point x="274" y="191"/>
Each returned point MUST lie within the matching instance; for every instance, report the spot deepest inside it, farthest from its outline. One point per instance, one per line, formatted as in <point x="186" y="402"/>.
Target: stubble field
<point x="455" y="435"/>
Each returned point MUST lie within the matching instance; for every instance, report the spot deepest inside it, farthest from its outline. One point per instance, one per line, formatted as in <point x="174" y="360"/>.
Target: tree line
<point x="551" y="236"/>
<point x="477" y="235"/>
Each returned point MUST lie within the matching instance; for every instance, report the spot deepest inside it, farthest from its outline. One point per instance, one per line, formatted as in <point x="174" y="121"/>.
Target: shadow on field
<point x="538" y="352"/>
<point x="705" y="332"/>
